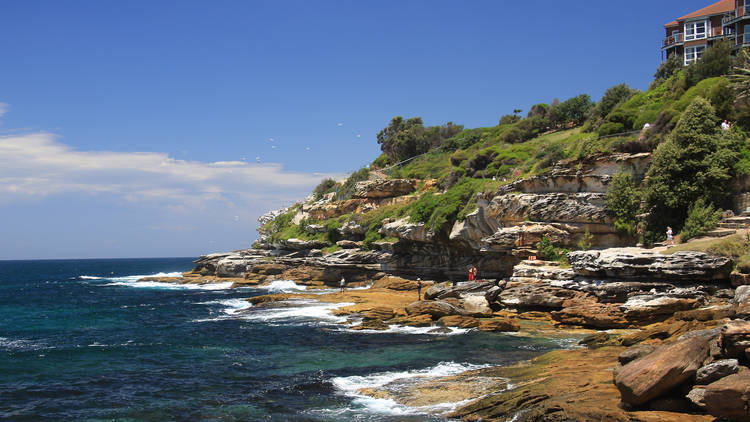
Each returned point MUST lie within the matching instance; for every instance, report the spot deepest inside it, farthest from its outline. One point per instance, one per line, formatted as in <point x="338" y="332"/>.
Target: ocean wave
<point x="132" y="281"/>
<point x="283" y="286"/>
<point x="305" y="310"/>
<point x="13" y="345"/>
<point x="351" y="386"/>
<point x="232" y="306"/>
<point x="403" y="329"/>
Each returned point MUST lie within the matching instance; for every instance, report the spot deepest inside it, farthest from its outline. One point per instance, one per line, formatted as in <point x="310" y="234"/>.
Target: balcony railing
<point x="672" y="39"/>
<point x="743" y="39"/>
<point x="680" y="38"/>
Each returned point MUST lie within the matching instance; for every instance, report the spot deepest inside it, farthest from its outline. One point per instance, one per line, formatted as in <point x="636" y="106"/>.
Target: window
<point x="695" y="30"/>
<point x="693" y="53"/>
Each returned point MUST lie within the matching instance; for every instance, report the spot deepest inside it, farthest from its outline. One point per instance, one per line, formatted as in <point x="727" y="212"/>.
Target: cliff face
<point x="563" y="204"/>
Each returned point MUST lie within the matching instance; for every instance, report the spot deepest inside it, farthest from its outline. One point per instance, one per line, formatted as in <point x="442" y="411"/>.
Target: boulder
<point x="697" y="395"/>
<point x="592" y="314"/>
<point x="739" y="279"/>
<point x="295" y="244"/>
<point x="499" y="324"/>
<point x="403" y="229"/>
<point x="655" y="374"/>
<point x="420" y="320"/>
<point x="550" y="207"/>
<point x="460" y="321"/>
<point x="525" y="234"/>
<point x="735" y="339"/>
<point x="383" y="188"/>
<point x="436" y="309"/>
<point x="381" y="312"/>
<point x="534" y="296"/>
<point x="446" y="290"/>
<point x="371" y="324"/>
<point x="476" y="306"/>
<point x="348" y="244"/>
<point x="268" y="269"/>
<point x="741" y="302"/>
<point x="729" y="397"/>
<point x="395" y="283"/>
<point x="717" y="370"/>
<point x="648" y="307"/>
<point x="634" y="352"/>
<point x="637" y="263"/>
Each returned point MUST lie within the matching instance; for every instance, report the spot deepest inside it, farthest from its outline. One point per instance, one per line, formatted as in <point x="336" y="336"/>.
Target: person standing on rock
<point x="342" y="283"/>
<point x="419" y="289"/>
<point x="670" y="237"/>
<point x="471" y="274"/>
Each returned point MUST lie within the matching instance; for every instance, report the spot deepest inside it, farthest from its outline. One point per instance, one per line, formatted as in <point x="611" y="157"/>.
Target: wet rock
<point x="636" y="263"/>
<point x="594" y="340"/>
<point x="717" y="370"/>
<point x="421" y="320"/>
<point x="499" y="325"/>
<point x="634" y="352"/>
<point x="735" y="339"/>
<point x="459" y="321"/>
<point x="440" y="330"/>
<point x="729" y="397"/>
<point x="382" y="313"/>
<point x="436" y="309"/>
<point x="657" y="373"/>
<point x="371" y="324"/>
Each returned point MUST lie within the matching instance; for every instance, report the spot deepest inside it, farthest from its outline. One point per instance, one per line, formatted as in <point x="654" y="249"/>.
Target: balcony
<point x="740" y="14"/>
<point x="672" y="40"/>
<point x="743" y="40"/>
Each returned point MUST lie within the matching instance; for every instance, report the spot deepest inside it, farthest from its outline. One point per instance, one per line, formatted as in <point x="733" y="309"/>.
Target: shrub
<point x="667" y="69"/>
<point x="716" y="60"/>
<point x="509" y="119"/>
<point x="701" y="218"/>
<point x="546" y="249"/>
<point x="586" y="241"/>
<point x="612" y="97"/>
<point x="381" y="162"/>
<point x="622" y="202"/>
<point x="611" y="128"/>
<point x="323" y="188"/>
<point x="347" y="188"/>
<point x="538" y="110"/>
<point x="743" y="263"/>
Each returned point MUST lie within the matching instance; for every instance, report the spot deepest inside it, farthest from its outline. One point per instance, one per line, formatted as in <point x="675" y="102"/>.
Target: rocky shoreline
<point x="654" y="323"/>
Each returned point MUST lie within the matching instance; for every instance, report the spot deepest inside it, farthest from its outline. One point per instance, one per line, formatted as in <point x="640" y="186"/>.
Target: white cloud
<point x="38" y="165"/>
<point x="3" y="108"/>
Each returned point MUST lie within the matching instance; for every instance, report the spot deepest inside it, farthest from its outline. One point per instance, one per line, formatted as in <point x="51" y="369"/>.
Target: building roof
<point x="722" y="6"/>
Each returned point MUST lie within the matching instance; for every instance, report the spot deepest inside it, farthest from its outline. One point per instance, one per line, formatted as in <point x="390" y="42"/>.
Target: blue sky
<point x="165" y="128"/>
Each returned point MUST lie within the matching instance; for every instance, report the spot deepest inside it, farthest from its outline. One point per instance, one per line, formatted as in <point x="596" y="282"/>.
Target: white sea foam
<point x="19" y="344"/>
<point x="232" y="306"/>
<point x="132" y="281"/>
<point x="89" y="277"/>
<point x="351" y="386"/>
<point x="283" y="286"/>
<point x="299" y="310"/>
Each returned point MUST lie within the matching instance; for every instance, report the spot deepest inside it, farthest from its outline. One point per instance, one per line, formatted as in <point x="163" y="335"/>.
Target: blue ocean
<point x="81" y="340"/>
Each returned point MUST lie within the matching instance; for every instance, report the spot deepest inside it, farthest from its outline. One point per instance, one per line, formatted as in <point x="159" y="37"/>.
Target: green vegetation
<point x="733" y="247"/>
<point x="694" y="161"/>
<point x="622" y="201"/>
<point x="701" y="218"/>
<point x="549" y="252"/>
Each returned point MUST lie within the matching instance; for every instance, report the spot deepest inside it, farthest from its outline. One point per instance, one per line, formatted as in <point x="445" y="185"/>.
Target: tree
<point x="622" y="202"/>
<point x="696" y="161"/>
<point x="668" y="68"/>
<point x="612" y="97"/>
<point x="716" y="60"/>
<point x="402" y="139"/>
<point x="573" y="110"/>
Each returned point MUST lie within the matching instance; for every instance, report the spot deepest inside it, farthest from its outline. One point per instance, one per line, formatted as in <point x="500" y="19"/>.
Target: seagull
<point x="340" y="124"/>
<point x="358" y="135"/>
<point x="257" y="158"/>
<point x="273" y="146"/>
<point x="307" y="149"/>
<point x="270" y="139"/>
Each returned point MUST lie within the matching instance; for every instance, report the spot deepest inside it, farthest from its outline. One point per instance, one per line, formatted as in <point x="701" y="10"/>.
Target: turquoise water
<point x="80" y="340"/>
